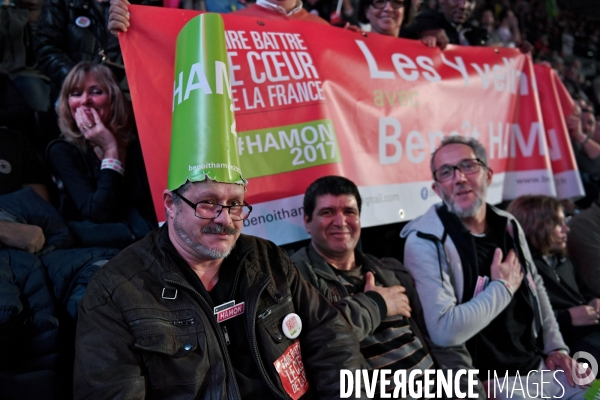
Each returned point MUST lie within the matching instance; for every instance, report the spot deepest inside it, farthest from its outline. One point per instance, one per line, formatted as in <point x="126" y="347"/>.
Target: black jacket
<point x="433" y="19"/>
<point x="70" y="31"/>
<point x="362" y="314"/>
<point x="563" y="287"/>
<point x="134" y="342"/>
<point x="37" y="291"/>
<point x="102" y="207"/>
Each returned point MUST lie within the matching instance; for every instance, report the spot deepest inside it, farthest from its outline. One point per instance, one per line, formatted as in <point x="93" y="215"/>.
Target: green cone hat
<point x="203" y="135"/>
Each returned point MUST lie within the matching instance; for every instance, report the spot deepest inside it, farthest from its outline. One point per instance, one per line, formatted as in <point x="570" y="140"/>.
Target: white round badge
<point x="83" y="22"/>
<point x="291" y="326"/>
<point x="5" y="167"/>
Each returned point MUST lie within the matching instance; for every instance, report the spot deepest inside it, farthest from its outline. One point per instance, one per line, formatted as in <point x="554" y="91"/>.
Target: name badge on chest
<point x="228" y="310"/>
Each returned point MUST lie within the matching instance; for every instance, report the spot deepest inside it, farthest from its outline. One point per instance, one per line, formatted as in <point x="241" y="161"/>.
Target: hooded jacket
<point x="433" y="260"/>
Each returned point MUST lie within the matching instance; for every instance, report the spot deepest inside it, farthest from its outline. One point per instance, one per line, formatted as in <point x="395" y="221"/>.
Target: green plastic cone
<point x="203" y="135"/>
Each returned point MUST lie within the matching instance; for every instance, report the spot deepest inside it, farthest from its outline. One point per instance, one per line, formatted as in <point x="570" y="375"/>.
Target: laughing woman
<point x="99" y="161"/>
<point x="543" y="221"/>
<point x="385" y="16"/>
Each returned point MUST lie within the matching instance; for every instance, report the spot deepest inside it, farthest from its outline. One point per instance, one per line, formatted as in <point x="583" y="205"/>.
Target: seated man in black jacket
<point x="376" y="296"/>
<point x="197" y="310"/>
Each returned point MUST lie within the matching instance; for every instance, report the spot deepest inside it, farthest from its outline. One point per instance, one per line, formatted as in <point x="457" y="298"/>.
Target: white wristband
<point x="114" y="164"/>
<point x="507" y="285"/>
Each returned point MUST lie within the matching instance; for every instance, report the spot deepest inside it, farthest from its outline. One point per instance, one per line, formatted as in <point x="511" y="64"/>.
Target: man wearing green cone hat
<point x="196" y="309"/>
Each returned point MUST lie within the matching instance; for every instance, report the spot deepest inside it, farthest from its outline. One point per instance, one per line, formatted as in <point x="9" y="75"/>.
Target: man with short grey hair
<point x="481" y="294"/>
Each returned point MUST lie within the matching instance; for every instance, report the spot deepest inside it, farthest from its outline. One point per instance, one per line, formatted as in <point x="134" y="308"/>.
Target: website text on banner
<point x="370" y="108"/>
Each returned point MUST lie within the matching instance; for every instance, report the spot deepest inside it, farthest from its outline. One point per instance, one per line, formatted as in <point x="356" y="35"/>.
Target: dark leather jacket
<point x="134" y="342"/>
<point x="362" y="314"/>
<point x="70" y="31"/>
<point x="433" y="19"/>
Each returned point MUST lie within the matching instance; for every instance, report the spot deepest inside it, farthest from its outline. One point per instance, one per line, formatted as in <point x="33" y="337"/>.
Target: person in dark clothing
<point x="586" y="154"/>
<point x="41" y="279"/>
<point x="70" y="31"/>
<point x="576" y="311"/>
<point x="376" y="296"/>
<point x="453" y="19"/>
<point x="99" y="161"/>
<point x="20" y="165"/>
<point x="148" y="327"/>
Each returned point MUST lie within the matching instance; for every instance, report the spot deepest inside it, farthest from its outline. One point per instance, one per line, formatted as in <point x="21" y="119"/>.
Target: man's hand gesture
<point x="395" y="299"/>
<point x="508" y="270"/>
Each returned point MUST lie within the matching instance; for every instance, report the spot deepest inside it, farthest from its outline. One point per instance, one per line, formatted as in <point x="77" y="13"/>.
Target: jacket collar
<point x="430" y="222"/>
<point x="319" y="265"/>
<point x="325" y="270"/>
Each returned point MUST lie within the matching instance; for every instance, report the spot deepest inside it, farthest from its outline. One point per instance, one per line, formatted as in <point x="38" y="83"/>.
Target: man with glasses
<point x="197" y="310"/>
<point x="481" y="294"/>
<point x="376" y="296"/>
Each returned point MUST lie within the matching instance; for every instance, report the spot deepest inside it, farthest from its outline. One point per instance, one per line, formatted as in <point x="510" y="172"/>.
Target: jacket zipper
<point x="269" y="310"/>
<point x="179" y="322"/>
<point x="261" y="367"/>
<point x="219" y="331"/>
<point x="521" y="257"/>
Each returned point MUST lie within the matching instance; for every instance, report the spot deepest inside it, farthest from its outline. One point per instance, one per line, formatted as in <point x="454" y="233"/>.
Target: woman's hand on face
<point x="96" y="133"/>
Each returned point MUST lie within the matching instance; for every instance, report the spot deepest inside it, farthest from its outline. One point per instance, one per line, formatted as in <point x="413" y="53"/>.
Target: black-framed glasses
<point x="208" y="210"/>
<point x="466" y="167"/>
<point x="396" y="4"/>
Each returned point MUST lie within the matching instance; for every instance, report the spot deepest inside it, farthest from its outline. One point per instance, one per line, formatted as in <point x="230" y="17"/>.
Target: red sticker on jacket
<point x="291" y="371"/>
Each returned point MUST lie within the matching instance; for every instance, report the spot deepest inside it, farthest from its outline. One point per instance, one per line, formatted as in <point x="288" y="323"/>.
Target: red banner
<point x="556" y="102"/>
<point x="314" y="100"/>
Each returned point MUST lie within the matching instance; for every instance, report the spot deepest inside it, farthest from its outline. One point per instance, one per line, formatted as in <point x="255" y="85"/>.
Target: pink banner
<point x="314" y="100"/>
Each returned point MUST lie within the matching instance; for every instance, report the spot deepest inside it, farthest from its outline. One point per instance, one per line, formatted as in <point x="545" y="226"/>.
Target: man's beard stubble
<point x="467" y="212"/>
<point x="213" y="254"/>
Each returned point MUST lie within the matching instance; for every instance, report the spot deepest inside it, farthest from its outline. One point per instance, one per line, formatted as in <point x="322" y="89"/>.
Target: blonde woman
<point x="99" y="161"/>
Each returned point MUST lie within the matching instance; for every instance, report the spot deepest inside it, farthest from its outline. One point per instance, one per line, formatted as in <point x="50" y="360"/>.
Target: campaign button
<point x="83" y="22"/>
<point x="291" y="326"/>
